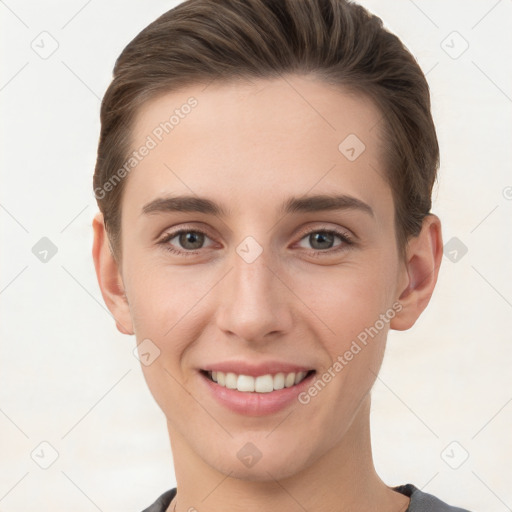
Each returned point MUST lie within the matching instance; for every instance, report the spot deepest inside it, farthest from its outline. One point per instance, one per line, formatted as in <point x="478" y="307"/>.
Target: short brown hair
<point x="338" y="41"/>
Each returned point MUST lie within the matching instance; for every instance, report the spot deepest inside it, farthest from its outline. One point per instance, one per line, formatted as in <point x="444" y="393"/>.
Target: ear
<point x="109" y="277"/>
<point x="421" y="268"/>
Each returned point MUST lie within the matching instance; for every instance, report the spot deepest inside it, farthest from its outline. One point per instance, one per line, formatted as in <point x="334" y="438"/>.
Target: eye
<point x="190" y="240"/>
<point x="322" y="240"/>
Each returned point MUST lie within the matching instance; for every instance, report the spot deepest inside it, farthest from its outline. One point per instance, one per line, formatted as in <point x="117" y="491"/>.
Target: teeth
<point x="231" y="380"/>
<point x="245" y="383"/>
<point x="290" y="380"/>
<point x="261" y="384"/>
<point x="279" y="381"/>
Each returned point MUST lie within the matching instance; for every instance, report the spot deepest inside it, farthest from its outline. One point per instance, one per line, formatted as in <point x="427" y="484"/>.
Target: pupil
<point x="321" y="237"/>
<point x="196" y="239"/>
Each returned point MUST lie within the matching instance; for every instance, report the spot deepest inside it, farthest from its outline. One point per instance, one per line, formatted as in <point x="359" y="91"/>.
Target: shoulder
<point x="161" y="504"/>
<point x="424" y="502"/>
<point x="420" y="501"/>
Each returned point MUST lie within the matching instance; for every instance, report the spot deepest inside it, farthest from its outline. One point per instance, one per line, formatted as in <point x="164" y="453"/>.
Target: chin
<point x="268" y="464"/>
<point x="260" y="472"/>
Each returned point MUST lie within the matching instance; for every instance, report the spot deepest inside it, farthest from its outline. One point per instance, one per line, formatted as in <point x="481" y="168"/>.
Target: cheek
<point x="163" y="310"/>
<point x="170" y="304"/>
<point x="169" y="311"/>
<point x="348" y="300"/>
<point x="357" y="311"/>
<point x="354" y="308"/>
<point x="162" y="298"/>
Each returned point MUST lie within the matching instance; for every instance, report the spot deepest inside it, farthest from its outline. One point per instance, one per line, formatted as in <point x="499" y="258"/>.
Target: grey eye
<point x="194" y="238"/>
<point x="321" y="240"/>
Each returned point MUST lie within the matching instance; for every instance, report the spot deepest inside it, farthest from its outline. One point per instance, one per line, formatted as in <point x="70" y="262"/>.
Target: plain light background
<point x="442" y="405"/>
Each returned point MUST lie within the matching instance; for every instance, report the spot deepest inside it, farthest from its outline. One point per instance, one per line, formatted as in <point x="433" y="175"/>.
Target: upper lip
<point x="254" y="370"/>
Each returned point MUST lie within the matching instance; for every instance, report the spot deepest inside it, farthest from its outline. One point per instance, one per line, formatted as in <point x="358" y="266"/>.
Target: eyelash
<point x="344" y="237"/>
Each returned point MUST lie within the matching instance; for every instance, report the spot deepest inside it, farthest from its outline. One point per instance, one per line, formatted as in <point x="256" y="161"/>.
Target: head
<point x="280" y="120"/>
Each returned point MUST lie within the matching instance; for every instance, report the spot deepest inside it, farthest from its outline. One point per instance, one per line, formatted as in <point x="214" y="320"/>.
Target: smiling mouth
<point x="260" y="384"/>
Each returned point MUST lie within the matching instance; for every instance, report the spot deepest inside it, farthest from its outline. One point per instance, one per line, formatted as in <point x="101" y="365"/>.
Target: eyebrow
<point x="316" y="203"/>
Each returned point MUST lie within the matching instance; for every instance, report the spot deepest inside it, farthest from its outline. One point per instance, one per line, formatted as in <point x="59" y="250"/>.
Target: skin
<point x="249" y="147"/>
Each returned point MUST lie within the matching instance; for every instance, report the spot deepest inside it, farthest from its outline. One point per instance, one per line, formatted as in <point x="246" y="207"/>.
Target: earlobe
<point x="109" y="277"/>
<point x="424" y="255"/>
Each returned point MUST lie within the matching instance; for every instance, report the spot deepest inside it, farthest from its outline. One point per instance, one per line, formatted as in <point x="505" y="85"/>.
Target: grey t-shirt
<point x="420" y="501"/>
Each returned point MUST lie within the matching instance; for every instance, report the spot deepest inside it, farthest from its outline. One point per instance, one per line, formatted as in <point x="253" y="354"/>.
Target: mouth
<point x="266" y="383"/>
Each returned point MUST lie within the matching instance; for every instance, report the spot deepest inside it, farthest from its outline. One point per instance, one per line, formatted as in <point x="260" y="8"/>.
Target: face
<point x="256" y="274"/>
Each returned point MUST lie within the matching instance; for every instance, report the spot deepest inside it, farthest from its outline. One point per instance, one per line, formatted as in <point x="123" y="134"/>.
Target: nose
<point x="255" y="302"/>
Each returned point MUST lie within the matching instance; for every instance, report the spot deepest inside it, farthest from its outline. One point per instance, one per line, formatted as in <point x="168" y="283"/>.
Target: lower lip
<point x="256" y="404"/>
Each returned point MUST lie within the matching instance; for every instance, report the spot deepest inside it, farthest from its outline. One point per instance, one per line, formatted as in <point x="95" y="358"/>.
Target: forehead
<point x="251" y="140"/>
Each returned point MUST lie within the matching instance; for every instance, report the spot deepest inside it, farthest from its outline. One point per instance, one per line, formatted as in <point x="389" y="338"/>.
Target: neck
<point x="342" y="479"/>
